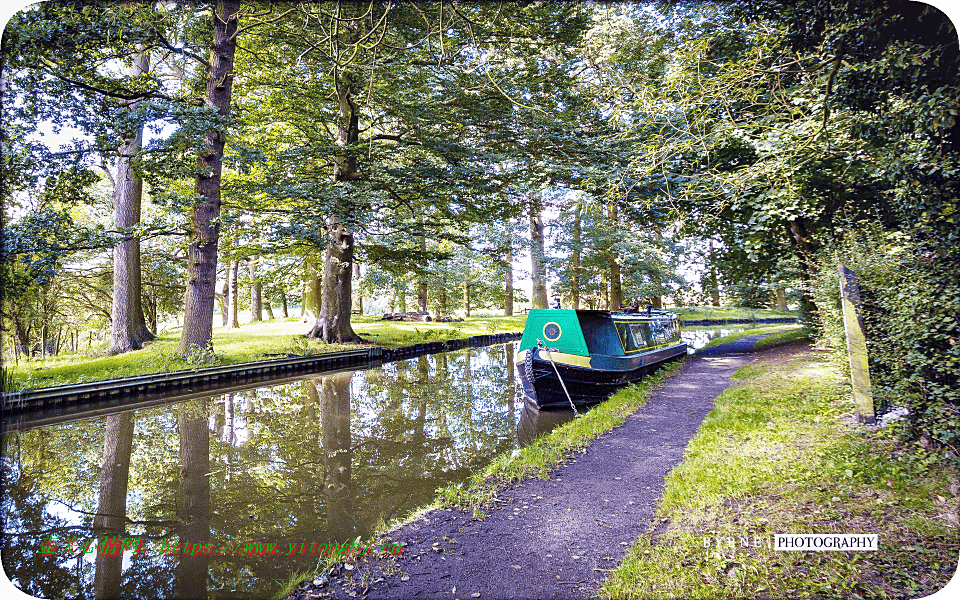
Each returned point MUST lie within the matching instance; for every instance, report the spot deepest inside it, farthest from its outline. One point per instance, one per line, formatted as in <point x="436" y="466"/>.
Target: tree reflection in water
<point x="323" y="460"/>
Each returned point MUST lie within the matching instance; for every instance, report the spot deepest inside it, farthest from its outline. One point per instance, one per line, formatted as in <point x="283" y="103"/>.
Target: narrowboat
<point x="580" y="357"/>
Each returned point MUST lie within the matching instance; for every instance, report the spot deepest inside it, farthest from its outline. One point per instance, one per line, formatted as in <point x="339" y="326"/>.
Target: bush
<point x="910" y="296"/>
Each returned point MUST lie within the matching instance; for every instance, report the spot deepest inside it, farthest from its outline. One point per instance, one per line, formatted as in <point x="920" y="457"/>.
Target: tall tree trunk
<point x="128" y="325"/>
<point x="422" y="282"/>
<point x="112" y="507"/>
<point x="466" y="296"/>
<point x="234" y="293"/>
<point x="314" y="289"/>
<point x="538" y="265"/>
<point x="205" y="228"/>
<point x="333" y="323"/>
<point x="616" y="295"/>
<point x="356" y="279"/>
<point x="193" y="499"/>
<point x="336" y="302"/>
<point x="604" y="291"/>
<point x="283" y="304"/>
<point x="223" y="300"/>
<point x="508" y="275"/>
<point x="714" y="278"/>
<point x="267" y="307"/>
<point x="256" y="291"/>
<point x="575" y="259"/>
<point x="781" y="298"/>
<point x="804" y="248"/>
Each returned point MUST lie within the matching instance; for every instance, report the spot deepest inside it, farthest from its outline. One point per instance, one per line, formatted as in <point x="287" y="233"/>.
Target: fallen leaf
<point x="405" y="578"/>
<point x="475" y="595"/>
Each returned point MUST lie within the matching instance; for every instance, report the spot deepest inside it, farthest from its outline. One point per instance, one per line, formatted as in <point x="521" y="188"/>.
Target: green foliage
<point x="911" y="315"/>
<point x="774" y="457"/>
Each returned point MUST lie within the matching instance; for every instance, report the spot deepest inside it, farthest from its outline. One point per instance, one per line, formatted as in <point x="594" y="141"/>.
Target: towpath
<point x="556" y="538"/>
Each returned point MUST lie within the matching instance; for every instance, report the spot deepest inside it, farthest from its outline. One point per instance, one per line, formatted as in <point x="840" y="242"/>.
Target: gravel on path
<point x="556" y="538"/>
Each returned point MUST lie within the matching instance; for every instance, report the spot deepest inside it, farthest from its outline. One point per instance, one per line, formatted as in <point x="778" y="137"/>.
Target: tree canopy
<point x="412" y="152"/>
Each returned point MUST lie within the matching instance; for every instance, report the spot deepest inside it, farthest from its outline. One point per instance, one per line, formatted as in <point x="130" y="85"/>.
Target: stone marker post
<point x="856" y="345"/>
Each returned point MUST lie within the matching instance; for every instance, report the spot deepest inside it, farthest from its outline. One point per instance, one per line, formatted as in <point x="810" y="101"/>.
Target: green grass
<point x="251" y="342"/>
<point x="720" y="313"/>
<point x="774" y="329"/>
<point x="548" y="452"/>
<point x="393" y="334"/>
<point x="799" y="334"/>
<point x="778" y="455"/>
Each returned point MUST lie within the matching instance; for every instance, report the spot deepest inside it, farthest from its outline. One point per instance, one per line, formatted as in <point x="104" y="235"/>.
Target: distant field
<point x="696" y="313"/>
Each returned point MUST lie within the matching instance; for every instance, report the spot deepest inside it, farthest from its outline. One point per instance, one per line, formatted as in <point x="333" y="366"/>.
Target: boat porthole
<point x="552" y="331"/>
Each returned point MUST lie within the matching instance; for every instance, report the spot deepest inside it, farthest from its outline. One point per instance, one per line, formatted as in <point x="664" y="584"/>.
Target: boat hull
<point x="586" y="385"/>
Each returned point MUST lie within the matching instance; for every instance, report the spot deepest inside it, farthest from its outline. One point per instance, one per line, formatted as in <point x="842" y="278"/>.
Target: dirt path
<point x="557" y="538"/>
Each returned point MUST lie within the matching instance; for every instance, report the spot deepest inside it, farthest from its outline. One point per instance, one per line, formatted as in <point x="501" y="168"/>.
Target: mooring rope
<point x="576" y="413"/>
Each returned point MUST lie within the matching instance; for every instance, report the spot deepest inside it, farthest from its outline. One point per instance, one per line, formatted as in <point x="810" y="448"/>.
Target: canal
<point x="320" y="460"/>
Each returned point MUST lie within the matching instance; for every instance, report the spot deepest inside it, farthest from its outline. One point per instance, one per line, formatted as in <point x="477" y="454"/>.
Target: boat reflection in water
<point x="535" y="422"/>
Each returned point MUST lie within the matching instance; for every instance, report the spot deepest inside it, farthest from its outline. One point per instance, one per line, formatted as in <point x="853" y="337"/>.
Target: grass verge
<point x="801" y="334"/>
<point x="779" y="454"/>
<point x="251" y="342"/>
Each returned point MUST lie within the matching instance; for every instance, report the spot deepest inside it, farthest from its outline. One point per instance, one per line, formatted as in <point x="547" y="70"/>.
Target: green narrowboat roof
<point x="561" y="329"/>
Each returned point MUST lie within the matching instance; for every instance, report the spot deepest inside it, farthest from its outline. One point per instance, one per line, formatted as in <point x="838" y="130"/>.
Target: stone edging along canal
<point x="76" y="398"/>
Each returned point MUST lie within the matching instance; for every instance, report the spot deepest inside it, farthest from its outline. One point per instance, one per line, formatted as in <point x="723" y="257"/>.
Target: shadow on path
<point x="558" y="538"/>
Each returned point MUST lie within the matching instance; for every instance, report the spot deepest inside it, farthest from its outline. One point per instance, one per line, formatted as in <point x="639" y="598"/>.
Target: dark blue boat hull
<point x="587" y="386"/>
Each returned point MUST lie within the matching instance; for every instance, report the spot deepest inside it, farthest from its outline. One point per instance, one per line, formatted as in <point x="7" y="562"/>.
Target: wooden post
<point x="856" y="345"/>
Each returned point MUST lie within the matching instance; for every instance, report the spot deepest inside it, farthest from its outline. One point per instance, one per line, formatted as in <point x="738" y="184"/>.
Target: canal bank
<point x="558" y="537"/>
<point x="143" y="390"/>
<point x="779" y="453"/>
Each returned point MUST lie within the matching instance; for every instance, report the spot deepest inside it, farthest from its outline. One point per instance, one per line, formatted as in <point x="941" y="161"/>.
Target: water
<point x="322" y="460"/>
<point x="318" y="461"/>
<point x="699" y="336"/>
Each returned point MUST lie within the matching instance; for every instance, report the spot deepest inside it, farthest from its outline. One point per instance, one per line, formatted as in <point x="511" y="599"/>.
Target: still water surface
<point x="320" y="460"/>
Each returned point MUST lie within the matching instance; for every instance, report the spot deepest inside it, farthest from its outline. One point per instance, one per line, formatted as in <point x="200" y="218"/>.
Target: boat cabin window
<point x="597" y="334"/>
<point x="632" y="341"/>
<point x="658" y="333"/>
<point x="641" y="331"/>
<point x="651" y="334"/>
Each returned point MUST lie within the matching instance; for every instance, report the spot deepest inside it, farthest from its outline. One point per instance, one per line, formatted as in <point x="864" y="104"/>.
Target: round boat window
<point x="551" y="331"/>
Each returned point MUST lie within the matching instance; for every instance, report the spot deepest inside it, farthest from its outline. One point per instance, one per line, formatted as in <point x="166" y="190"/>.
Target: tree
<point x="128" y="325"/>
<point x="204" y="236"/>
